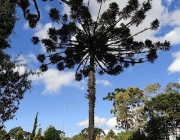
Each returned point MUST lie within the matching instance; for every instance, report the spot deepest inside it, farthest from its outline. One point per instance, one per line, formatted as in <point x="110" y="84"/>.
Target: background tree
<point x="78" y="137"/>
<point x="34" y="127"/>
<point x="13" y="84"/>
<point x="124" y="135"/>
<point x="151" y="91"/>
<point x="127" y="107"/>
<point x="98" y="132"/>
<point x="103" y="45"/>
<point x="165" y="107"/>
<point x="110" y="135"/>
<point x="19" y="135"/>
<point x="2" y="134"/>
<point x="51" y="134"/>
<point x="38" y="136"/>
<point x="14" y="131"/>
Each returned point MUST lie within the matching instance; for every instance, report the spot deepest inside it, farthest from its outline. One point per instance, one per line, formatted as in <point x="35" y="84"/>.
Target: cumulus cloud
<point x="174" y="36"/>
<point x="47" y="7"/>
<point x="103" y="82"/>
<point x="98" y="122"/>
<point x="54" y="80"/>
<point x="111" y="123"/>
<point x="175" y="66"/>
<point x="42" y="31"/>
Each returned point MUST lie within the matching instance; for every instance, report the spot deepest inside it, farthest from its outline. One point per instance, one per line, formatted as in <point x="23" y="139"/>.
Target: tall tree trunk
<point x="92" y="98"/>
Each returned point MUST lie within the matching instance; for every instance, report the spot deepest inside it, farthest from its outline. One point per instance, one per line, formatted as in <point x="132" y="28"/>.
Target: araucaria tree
<point x="103" y="44"/>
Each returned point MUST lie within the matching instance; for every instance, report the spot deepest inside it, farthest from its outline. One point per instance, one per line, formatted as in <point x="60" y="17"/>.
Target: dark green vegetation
<point x="151" y="113"/>
<point x="34" y="127"/>
<point x="102" y="45"/>
<point x="13" y="84"/>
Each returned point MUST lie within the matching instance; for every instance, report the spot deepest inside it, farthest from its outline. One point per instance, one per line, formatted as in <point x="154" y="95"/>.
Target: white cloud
<point x="26" y="26"/>
<point x="173" y="36"/>
<point x="20" y="69"/>
<point x="83" y="123"/>
<point x="111" y="123"/>
<point x="42" y="31"/>
<point x="47" y="7"/>
<point x="104" y="82"/>
<point x="98" y="122"/>
<point x="32" y="57"/>
<point x="175" y="66"/>
<point x="54" y="80"/>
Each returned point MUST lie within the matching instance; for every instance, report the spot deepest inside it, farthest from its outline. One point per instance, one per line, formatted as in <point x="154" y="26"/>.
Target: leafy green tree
<point x="111" y="134"/>
<point x="98" y="132"/>
<point x="19" y="135"/>
<point x="38" y="136"/>
<point x="167" y="108"/>
<point x="2" y="134"/>
<point x="34" y="127"/>
<point x="51" y="134"/>
<point x="14" y="131"/>
<point x="156" y="128"/>
<point x="13" y="84"/>
<point x="103" y="45"/>
<point x="127" y="107"/>
<point x="151" y="91"/>
<point x="124" y="135"/>
<point x="78" y="137"/>
<point x="139" y="135"/>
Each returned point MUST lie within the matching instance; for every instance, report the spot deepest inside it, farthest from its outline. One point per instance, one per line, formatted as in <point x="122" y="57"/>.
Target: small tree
<point x="51" y="134"/>
<point x="34" y="127"/>
<point x="2" y="134"/>
<point x="127" y="107"/>
<point x="103" y="45"/>
<point x="38" y="136"/>
<point x="110" y="135"/>
<point x="19" y="135"/>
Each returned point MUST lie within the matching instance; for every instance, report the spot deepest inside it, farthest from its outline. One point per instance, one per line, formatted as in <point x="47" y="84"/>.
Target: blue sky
<point x="54" y="90"/>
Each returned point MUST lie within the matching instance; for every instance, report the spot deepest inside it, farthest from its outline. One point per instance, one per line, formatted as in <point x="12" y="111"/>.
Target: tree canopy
<point x="51" y="133"/>
<point x="13" y="82"/>
<point x="127" y="107"/>
<point x="158" y="114"/>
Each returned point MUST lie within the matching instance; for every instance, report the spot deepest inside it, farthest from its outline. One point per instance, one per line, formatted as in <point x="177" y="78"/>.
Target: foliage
<point x="13" y="83"/>
<point x="2" y="134"/>
<point x="158" y="110"/>
<point x="38" y="136"/>
<point x="111" y="134"/>
<point x="124" y="135"/>
<point x="34" y="127"/>
<point x="103" y="45"/>
<point x="78" y="137"/>
<point x="98" y="132"/>
<point x="127" y="107"/>
<point x="31" y="18"/>
<point x="19" y="135"/>
<point x="51" y="133"/>
<point x="151" y="91"/>
<point x="14" y="131"/>
<point x="165" y="107"/>
<point x="8" y="19"/>
<point x="138" y="135"/>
